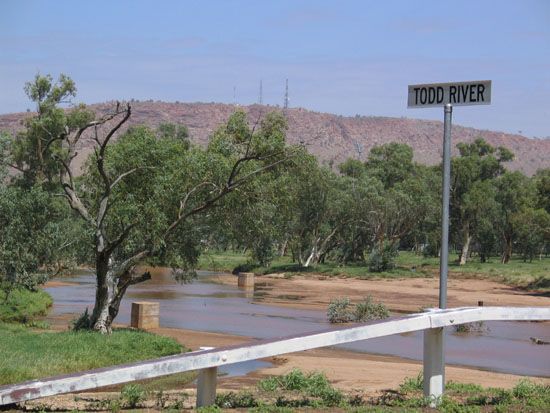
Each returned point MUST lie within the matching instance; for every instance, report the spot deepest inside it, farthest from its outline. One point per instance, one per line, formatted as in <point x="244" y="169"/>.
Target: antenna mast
<point x="234" y="95"/>
<point x="261" y="101"/>
<point x="286" y="95"/>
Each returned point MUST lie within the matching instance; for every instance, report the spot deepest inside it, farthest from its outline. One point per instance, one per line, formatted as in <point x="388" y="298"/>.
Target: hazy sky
<point x="344" y="57"/>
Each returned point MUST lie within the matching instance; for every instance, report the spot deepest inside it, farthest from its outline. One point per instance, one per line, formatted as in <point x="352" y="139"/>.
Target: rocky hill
<point x="331" y="138"/>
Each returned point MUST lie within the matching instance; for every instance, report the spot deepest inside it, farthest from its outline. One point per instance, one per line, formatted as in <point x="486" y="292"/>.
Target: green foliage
<point x="22" y="305"/>
<point x="382" y="258"/>
<point x="542" y="185"/>
<point x="232" y="400"/>
<point x="34" y="150"/>
<point x="173" y="131"/>
<point x="34" y="236"/>
<point x="532" y="229"/>
<point x="133" y="395"/>
<point x="314" y="384"/>
<point x="341" y="310"/>
<point x="391" y="163"/>
<point x="414" y="384"/>
<point x="369" y="310"/>
<point x="28" y="355"/>
<point x="527" y="390"/>
<point x="526" y="396"/>
<point x="82" y="322"/>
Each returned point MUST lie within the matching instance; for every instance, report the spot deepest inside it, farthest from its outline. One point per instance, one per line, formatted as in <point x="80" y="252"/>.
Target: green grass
<point x="533" y="275"/>
<point x="27" y="354"/>
<point x="298" y="391"/>
<point x="23" y="305"/>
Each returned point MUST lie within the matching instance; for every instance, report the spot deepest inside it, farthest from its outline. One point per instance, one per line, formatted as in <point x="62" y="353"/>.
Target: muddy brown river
<point x="208" y="306"/>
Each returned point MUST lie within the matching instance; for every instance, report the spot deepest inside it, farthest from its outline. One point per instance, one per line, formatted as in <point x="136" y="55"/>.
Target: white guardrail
<point x="208" y="360"/>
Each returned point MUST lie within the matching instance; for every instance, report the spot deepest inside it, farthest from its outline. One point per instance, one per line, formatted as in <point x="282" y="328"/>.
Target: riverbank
<point x="350" y="370"/>
<point x="406" y="295"/>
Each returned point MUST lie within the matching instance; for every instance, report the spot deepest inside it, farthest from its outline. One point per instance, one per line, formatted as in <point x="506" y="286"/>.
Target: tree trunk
<point x="283" y="247"/>
<point x="313" y="256"/>
<point x="105" y="293"/>
<point x="466" y="240"/>
<point x="112" y="283"/>
<point x="507" y="253"/>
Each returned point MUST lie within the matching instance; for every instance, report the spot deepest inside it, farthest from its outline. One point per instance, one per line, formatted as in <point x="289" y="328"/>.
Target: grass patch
<point x="526" y="396"/>
<point x="30" y="355"/>
<point x="298" y="391"/>
<point x="23" y="305"/>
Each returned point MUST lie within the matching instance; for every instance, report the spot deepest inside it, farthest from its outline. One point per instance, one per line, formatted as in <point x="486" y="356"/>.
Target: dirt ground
<point x="399" y="295"/>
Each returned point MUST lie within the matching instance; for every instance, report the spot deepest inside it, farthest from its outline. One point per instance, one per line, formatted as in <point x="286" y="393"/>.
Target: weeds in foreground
<point x="133" y="395"/>
<point x="298" y="390"/>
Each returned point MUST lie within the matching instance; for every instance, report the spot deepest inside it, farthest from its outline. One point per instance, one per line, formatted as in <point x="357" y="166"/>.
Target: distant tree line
<point x="367" y="211"/>
<point x="153" y="197"/>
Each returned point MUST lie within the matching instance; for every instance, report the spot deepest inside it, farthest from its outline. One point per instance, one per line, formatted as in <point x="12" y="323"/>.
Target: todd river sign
<point x="445" y="95"/>
<point x="455" y="93"/>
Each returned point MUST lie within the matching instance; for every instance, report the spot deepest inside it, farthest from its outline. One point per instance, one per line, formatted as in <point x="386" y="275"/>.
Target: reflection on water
<point x="209" y="306"/>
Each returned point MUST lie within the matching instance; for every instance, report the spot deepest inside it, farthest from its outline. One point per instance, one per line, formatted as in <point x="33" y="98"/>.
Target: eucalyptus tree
<point x="477" y="164"/>
<point x="37" y="232"/>
<point x="532" y="231"/>
<point x="140" y="197"/>
<point x="514" y="193"/>
<point x="30" y="237"/>
<point x="542" y="185"/>
<point x="391" y="163"/>
<point x="313" y="210"/>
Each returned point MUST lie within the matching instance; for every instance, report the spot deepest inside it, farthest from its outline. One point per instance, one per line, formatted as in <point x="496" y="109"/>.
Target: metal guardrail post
<point x="206" y="384"/>
<point x="434" y="364"/>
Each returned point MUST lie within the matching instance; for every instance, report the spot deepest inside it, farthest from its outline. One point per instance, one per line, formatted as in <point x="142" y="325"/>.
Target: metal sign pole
<point x="429" y="95"/>
<point x="444" y="259"/>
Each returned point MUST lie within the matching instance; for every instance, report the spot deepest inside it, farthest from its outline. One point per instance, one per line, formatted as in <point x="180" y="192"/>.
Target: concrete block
<point x="145" y="314"/>
<point x="246" y="280"/>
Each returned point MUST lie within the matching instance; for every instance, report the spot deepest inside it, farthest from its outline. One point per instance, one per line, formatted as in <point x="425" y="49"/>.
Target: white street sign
<point x="455" y="93"/>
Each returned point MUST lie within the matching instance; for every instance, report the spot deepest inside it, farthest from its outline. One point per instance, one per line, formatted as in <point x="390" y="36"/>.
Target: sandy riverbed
<point x="399" y="295"/>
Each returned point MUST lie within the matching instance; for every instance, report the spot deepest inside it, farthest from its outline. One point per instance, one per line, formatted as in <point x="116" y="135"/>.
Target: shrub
<point x="22" y="305"/>
<point x="369" y="310"/>
<point x="263" y="251"/>
<point x="339" y="311"/>
<point x="83" y="322"/>
<point x="382" y="258"/>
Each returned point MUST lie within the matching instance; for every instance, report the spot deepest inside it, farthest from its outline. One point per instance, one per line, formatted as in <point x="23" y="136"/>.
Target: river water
<point x="208" y="306"/>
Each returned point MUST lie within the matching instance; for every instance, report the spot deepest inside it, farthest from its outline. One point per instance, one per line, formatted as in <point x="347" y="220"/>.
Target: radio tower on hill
<point x="261" y="100"/>
<point x="286" y="95"/>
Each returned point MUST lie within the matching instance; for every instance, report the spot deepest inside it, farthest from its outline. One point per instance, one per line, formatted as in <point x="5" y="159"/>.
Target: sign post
<point x="446" y="95"/>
